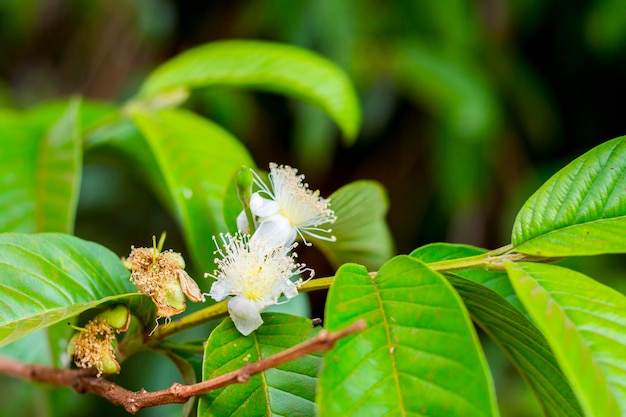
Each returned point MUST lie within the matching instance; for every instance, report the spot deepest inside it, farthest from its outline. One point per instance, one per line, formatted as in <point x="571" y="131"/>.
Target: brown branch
<point x="86" y="380"/>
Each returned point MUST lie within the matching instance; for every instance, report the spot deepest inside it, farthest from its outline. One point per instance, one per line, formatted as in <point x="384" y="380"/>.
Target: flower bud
<point x="118" y="317"/>
<point x="245" y="220"/>
<point x="245" y="179"/>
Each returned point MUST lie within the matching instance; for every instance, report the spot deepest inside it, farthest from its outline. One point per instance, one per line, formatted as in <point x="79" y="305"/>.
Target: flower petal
<point x="276" y="231"/>
<point x="245" y="313"/>
<point x="262" y="207"/>
<point x="289" y="289"/>
<point x="219" y="290"/>
<point x="242" y="223"/>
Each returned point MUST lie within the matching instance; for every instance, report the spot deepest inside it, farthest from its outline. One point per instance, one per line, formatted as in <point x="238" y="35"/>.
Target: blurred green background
<point x="468" y="106"/>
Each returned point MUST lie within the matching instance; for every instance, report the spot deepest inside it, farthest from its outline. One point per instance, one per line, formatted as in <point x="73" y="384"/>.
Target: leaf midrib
<point x="390" y="346"/>
<point x="263" y="378"/>
<point x="564" y="229"/>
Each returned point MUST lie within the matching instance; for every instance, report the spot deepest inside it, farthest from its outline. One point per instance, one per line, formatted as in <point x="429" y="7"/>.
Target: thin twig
<point x="86" y="380"/>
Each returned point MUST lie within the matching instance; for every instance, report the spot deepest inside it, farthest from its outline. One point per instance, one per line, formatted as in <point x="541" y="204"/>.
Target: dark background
<point x="468" y="106"/>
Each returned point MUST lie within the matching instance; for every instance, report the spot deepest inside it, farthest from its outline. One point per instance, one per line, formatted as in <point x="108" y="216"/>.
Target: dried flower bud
<point x="93" y="347"/>
<point x="161" y="275"/>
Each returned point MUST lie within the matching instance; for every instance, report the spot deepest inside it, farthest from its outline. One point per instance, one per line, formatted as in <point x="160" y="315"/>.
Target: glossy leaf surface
<point x="197" y="160"/>
<point x="581" y="210"/>
<point x="266" y="66"/>
<point x="585" y="325"/>
<point x="419" y="354"/>
<point x="49" y="277"/>
<point x="361" y="229"/>
<point x="494" y="306"/>
<point x="40" y="169"/>
<point x="287" y="390"/>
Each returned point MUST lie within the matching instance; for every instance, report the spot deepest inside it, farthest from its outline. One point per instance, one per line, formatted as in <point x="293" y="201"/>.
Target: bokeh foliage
<point x="466" y="107"/>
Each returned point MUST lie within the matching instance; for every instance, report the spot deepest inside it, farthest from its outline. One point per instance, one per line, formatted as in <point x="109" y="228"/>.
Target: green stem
<point x="317" y="284"/>
<point x="213" y="312"/>
<point x="455" y="264"/>
<point x="487" y="260"/>
<point x="249" y="217"/>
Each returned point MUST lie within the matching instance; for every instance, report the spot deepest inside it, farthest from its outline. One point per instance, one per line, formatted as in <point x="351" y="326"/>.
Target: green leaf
<point x="51" y="277"/>
<point x="40" y="169"/>
<point x="45" y="347"/>
<point x="266" y="66"/>
<point x="128" y="146"/>
<point x="585" y="325"/>
<point x="94" y="114"/>
<point x="287" y="390"/>
<point x="419" y="354"/>
<point x="494" y="306"/>
<point x="581" y="210"/>
<point x="361" y="229"/>
<point x="197" y="160"/>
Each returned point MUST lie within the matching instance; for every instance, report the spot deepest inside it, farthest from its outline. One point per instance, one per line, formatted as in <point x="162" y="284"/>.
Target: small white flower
<point x="287" y="209"/>
<point x="256" y="275"/>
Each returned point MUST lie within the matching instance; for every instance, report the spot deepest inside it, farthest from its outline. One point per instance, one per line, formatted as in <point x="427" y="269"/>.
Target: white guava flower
<point x="287" y="209"/>
<point x="256" y="275"/>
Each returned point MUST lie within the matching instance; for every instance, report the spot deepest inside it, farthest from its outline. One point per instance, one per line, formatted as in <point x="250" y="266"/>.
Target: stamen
<point x="257" y="272"/>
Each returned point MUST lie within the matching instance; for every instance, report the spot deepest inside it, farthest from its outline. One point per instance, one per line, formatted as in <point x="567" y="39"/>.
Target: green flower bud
<point x="118" y="317"/>
<point x="245" y="179"/>
<point x="109" y="365"/>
